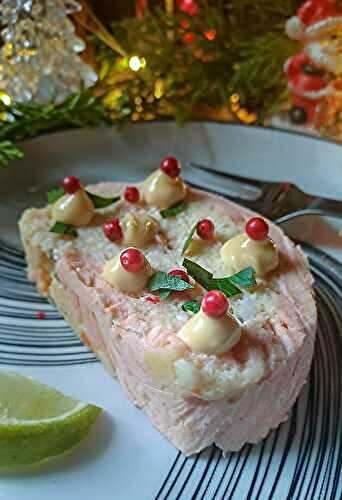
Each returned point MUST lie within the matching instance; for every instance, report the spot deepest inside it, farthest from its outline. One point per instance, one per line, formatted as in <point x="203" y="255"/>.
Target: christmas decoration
<point x="312" y="72"/>
<point x="234" y="60"/>
<point x="39" y="58"/>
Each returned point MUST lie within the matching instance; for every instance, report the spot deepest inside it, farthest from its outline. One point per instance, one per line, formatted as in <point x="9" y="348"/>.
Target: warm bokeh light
<point x="136" y="63"/>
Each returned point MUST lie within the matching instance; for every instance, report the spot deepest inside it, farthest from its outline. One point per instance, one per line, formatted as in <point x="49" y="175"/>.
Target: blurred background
<point x="68" y="63"/>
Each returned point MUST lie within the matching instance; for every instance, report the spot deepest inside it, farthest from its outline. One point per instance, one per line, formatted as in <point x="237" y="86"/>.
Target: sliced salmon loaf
<point x="194" y="395"/>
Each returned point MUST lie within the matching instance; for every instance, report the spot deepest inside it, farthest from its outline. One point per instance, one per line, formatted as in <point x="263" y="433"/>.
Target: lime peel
<point x="54" y="423"/>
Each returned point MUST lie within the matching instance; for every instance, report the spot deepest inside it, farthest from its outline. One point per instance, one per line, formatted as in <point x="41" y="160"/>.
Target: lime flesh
<point x="38" y="422"/>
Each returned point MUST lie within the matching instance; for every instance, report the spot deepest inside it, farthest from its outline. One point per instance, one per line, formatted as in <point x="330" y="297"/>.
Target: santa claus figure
<point x="312" y="72"/>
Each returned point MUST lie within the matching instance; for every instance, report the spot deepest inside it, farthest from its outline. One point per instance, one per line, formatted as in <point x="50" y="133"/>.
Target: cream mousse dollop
<point x="251" y="249"/>
<point x="75" y="208"/>
<point x="212" y="330"/>
<point x="128" y="272"/>
<point x="241" y="251"/>
<point x="138" y="230"/>
<point x="162" y="190"/>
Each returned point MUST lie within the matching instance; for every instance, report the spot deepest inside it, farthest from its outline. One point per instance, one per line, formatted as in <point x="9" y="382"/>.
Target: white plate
<point x="124" y="458"/>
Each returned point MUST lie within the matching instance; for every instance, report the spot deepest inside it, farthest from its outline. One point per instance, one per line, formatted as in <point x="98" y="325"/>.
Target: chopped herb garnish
<point x="174" y="210"/>
<point x="188" y="241"/>
<point x="100" y="202"/>
<point x="191" y="306"/>
<point x="54" y="195"/>
<point x="164" y="294"/>
<point x="61" y="228"/>
<point x="165" y="284"/>
<point x="245" y="278"/>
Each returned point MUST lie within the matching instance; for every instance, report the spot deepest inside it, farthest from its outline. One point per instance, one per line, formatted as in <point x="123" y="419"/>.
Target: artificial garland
<point x="194" y="59"/>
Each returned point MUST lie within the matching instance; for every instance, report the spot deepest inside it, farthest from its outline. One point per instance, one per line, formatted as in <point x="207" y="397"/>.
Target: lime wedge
<point x="38" y="422"/>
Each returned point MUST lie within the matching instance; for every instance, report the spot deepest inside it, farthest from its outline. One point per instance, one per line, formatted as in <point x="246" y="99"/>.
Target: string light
<point x="210" y="35"/>
<point x="136" y="63"/>
<point x="5" y="98"/>
<point x="158" y="89"/>
<point x="242" y="113"/>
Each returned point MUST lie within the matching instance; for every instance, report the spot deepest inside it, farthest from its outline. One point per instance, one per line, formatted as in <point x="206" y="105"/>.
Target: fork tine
<point x="212" y="179"/>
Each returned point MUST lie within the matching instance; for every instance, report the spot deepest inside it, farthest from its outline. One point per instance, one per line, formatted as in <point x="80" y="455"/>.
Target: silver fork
<point x="279" y="202"/>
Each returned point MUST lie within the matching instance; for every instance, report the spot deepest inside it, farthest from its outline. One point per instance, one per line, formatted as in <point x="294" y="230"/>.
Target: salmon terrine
<point x="203" y="310"/>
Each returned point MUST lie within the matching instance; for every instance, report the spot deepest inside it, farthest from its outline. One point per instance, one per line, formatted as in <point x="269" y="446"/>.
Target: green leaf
<point x="100" y="201"/>
<point x="227" y="284"/>
<point x="54" y="194"/>
<point x="164" y="282"/>
<point x="188" y="241"/>
<point x="61" y="228"/>
<point x="201" y="275"/>
<point x="174" y="210"/>
<point x="191" y="306"/>
<point x="244" y="278"/>
<point x="164" y="294"/>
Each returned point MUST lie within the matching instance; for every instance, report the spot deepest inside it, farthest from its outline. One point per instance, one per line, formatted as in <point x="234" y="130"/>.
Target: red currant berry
<point x="205" y="229"/>
<point x="71" y="184"/>
<point x="257" y="228"/>
<point x="132" y="260"/>
<point x="215" y="304"/>
<point x="112" y="230"/>
<point x="180" y="274"/>
<point x="132" y="194"/>
<point x="170" y="166"/>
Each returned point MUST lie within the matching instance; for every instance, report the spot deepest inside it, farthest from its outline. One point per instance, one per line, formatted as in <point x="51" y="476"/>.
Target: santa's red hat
<point x="313" y="18"/>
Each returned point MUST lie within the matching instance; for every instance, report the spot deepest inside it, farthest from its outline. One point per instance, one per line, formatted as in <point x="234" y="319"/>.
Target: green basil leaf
<point x="191" y="306"/>
<point x="61" y="228"/>
<point x="174" y="210"/>
<point x="164" y="294"/>
<point x="100" y="201"/>
<point x="201" y="275"/>
<point x="54" y="194"/>
<point x="164" y="281"/>
<point x="227" y="284"/>
<point x="244" y="278"/>
<point x="188" y="241"/>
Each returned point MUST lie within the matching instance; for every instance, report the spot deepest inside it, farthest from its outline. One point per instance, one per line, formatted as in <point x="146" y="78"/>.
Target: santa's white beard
<point x="327" y="55"/>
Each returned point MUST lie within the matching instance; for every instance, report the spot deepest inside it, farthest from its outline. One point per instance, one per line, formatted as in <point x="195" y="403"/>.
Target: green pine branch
<point x="31" y="119"/>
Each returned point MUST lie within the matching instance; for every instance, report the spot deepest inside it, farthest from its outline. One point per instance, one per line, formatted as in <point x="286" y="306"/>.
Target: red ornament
<point x="184" y="23"/>
<point x="190" y="7"/>
<point x="205" y="229"/>
<point x="215" y="304"/>
<point x="257" y="228"/>
<point x="112" y="229"/>
<point x="132" y="194"/>
<point x="71" y="184"/>
<point x="132" y="260"/>
<point x="188" y="37"/>
<point x="180" y="274"/>
<point x="170" y="166"/>
<point x="40" y="315"/>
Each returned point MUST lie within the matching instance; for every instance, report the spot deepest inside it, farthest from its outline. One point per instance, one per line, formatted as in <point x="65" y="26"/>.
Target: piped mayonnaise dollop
<point x="241" y="251"/>
<point x="162" y="191"/>
<point x="126" y="281"/>
<point x="208" y="335"/>
<point x="76" y="209"/>
<point x="138" y="230"/>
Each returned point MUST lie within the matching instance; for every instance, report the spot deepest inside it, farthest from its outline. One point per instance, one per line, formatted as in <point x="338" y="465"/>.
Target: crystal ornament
<point x="39" y="54"/>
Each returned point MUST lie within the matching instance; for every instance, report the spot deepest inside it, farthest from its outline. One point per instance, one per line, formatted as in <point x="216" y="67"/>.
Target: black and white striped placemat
<point x="302" y="459"/>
